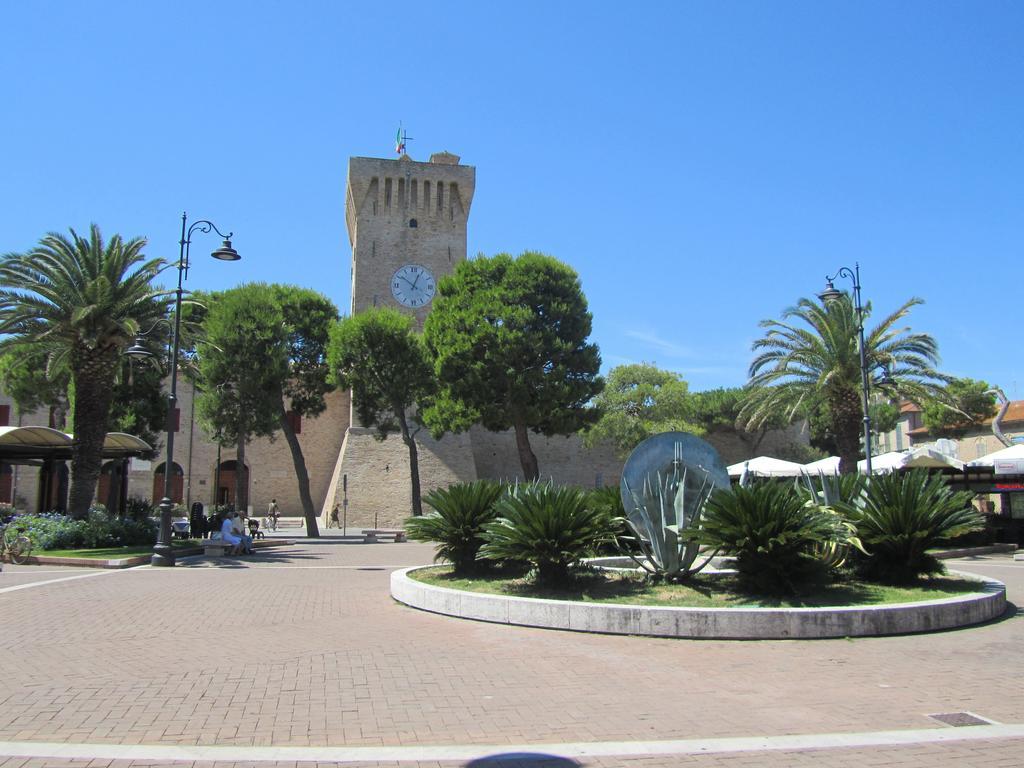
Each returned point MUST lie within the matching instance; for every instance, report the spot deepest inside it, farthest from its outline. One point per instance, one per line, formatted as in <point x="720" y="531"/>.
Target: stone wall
<point x="378" y="479"/>
<point x="563" y="460"/>
<point x="733" y="449"/>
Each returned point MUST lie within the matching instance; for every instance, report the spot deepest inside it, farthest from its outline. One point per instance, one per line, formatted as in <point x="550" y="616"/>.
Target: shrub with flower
<point x="53" y="530"/>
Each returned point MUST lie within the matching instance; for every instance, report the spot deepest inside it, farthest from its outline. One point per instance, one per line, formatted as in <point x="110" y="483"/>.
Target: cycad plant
<point x="608" y="500"/>
<point x="552" y="528"/>
<point x="833" y="494"/>
<point x="456" y="524"/>
<point x="901" y="516"/>
<point x="773" y="534"/>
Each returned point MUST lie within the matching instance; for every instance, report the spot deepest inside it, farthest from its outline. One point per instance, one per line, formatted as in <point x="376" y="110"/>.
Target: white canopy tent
<point x="826" y="466"/>
<point x="918" y="457"/>
<point x="765" y="466"/>
<point x="1013" y="453"/>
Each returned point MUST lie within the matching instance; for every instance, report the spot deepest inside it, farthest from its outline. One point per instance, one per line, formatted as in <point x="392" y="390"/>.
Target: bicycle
<point x="15" y="544"/>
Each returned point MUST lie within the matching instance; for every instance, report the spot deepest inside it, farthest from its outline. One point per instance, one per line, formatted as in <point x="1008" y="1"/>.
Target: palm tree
<point x="800" y="366"/>
<point x="83" y="301"/>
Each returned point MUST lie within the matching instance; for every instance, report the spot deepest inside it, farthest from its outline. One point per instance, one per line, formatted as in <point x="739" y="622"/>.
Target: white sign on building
<point x="1009" y="466"/>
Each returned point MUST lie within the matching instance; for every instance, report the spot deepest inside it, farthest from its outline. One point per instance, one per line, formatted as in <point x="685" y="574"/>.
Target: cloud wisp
<point x="664" y="346"/>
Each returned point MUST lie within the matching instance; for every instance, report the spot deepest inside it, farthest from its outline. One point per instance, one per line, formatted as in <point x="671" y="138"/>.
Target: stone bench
<point x="372" y="536"/>
<point x="215" y="546"/>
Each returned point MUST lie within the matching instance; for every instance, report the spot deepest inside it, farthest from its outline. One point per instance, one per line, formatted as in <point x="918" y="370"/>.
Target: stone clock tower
<point x="403" y="214"/>
<point x="407" y="226"/>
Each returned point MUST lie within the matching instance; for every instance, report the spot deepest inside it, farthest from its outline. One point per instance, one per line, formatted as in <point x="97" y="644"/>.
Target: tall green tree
<point x="242" y="364"/>
<point x="640" y="400"/>
<point x="965" y="403"/>
<point x="813" y="354"/>
<point x="308" y="318"/>
<point x="377" y="355"/>
<point x="296" y="389"/>
<point x="718" y="410"/>
<point x="139" y="405"/>
<point x="25" y="376"/>
<point x="884" y="417"/>
<point x="508" y="338"/>
<point x="83" y="300"/>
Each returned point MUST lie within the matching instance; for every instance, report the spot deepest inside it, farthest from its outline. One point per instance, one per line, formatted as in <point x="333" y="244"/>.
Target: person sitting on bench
<point x="227" y="533"/>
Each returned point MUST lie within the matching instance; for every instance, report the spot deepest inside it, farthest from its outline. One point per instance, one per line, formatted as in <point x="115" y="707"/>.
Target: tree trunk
<point x="526" y="456"/>
<point x="241" y="476"/>
<point x="301" y="474"/>
<point x="414" y="462"/>
<point x="94" y="378"/>
<point x="847" y="418"/>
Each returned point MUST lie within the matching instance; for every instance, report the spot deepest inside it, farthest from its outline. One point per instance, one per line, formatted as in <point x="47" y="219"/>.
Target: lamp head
<point x="830" y="293"/>
<point x="137" y="349"/>
<point x="226" y="252"/>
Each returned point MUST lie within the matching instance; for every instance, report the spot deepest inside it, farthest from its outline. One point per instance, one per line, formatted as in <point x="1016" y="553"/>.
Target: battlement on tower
<point x="404" y="189"/>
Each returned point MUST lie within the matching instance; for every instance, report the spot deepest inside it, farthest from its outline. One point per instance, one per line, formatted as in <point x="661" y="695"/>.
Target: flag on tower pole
<point x="399" y="142"/>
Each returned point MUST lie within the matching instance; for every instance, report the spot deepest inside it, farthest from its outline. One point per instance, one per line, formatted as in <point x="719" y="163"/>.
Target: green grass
<point x="109" y="553"/>
<point x="704" y="591"/>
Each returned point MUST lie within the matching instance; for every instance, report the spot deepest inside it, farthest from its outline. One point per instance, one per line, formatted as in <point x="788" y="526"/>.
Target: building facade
<point x="976" y="441"/>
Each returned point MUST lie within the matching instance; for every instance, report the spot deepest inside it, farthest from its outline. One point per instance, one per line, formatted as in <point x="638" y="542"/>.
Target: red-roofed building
<point x="979" y="440"/>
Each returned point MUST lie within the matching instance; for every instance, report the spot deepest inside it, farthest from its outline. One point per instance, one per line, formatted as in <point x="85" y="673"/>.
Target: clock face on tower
<point x="413" y="286"/>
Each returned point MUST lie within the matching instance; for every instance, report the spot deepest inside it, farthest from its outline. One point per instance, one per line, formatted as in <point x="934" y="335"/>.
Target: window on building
<point x="5" y="415"/>
<point x="295" y="420"/>
<point x="174" y="420"/>
<point x="1015" y="501"/>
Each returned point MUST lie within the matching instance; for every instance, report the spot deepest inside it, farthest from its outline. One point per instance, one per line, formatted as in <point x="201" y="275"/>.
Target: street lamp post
<point x="163" y="552"/>
<point x="830" y="294"/>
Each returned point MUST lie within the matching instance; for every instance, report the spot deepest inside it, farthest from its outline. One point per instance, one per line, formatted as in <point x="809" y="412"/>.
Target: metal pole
<point x="191" y="435"/>
<point x="163" y="553"/>
<point x="216" y="478"/>
<point x="863" y="369"/>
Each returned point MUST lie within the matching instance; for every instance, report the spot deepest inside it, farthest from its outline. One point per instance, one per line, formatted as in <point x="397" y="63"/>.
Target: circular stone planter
<point x="718" y="623"/>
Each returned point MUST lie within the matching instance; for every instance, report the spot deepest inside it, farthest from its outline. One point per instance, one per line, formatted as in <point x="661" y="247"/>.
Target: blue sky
<point x="701" y="165"/>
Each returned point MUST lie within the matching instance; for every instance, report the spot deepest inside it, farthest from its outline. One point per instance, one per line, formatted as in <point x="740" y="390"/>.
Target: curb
<point x="131" y="562"/>
<point x="949" y="554"/>
<point x="708" y="623"/>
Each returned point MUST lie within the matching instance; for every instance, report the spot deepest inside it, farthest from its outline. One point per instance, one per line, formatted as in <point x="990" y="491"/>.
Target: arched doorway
<point x="53" y="486"/>
<point x="177" y="484"/>
<point x="112" y="488"/>
<point x="6" y="484"/>
<point x="225" y="481"/>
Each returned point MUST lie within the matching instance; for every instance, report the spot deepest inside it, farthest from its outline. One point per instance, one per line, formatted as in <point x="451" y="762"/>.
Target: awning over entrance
<point x="48" y="449"/>
<point x="28" y="445"/>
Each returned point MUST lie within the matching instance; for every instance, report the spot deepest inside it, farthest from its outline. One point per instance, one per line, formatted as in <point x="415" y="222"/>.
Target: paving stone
<point x="299" y="647"/>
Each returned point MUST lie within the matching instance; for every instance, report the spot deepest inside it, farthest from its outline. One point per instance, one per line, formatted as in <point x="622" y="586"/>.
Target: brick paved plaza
<point x="302" y="647"/>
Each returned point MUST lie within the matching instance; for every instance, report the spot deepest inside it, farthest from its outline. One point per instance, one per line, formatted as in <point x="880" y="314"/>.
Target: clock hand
<point x="410" y="282"/>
